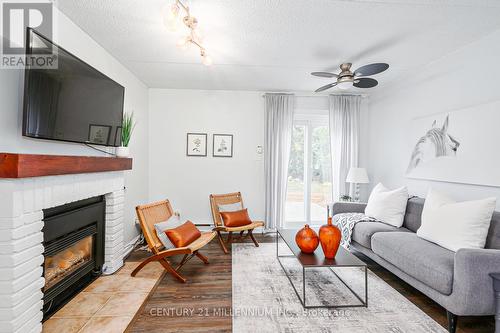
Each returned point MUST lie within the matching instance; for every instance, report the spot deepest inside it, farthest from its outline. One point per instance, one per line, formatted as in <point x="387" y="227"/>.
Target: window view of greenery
<point x="309" y="162"/>
<point x="321" y="182"/>
<point x="295" y="196"/>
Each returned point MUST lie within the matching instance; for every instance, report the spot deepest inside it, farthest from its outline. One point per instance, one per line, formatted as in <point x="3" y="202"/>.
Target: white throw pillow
<point x="455" y="225"/>
<point x="160" y="228"/>
<point x="387" y="206"/>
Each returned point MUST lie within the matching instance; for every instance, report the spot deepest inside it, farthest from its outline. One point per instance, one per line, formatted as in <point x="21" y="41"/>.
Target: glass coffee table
<point x="317" y="260"/>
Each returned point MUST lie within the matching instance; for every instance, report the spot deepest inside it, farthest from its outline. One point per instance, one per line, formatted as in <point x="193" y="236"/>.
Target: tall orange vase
<point x="330" y="237"/>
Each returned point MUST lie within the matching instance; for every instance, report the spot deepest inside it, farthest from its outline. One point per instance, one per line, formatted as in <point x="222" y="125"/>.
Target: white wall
<point x="188" y="181"/>
<point x="73" y="39"/>
<point x="465" y="78"/>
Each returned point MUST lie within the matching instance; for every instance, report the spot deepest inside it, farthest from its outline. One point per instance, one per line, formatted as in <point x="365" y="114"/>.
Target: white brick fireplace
<point x="21" y="237"/>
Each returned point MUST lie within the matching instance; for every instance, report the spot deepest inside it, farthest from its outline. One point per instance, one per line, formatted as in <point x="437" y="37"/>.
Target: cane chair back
<point x="223" y="199"/>
<point x="151" y="214"/>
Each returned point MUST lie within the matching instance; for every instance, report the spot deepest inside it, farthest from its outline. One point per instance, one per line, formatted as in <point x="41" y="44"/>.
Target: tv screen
<point x="71" y="102"/>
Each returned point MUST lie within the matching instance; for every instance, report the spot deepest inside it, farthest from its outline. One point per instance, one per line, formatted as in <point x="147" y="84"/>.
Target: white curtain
<point x="278" y="139"/>
<point x="344" y="117"/>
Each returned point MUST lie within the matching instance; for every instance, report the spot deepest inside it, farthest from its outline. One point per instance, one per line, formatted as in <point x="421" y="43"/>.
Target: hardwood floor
<point x="203" y="303"/>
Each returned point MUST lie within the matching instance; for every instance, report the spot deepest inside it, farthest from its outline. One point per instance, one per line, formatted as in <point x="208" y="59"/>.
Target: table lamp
<point x="357" y="176"/>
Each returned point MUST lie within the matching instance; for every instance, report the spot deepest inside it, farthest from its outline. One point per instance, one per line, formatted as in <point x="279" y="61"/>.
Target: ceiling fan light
<point x="344" y="85"/>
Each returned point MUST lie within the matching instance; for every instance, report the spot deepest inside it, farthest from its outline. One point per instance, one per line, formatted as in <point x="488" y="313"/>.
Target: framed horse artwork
<point x="436" y="142"/>
<point x="457" y="146"/>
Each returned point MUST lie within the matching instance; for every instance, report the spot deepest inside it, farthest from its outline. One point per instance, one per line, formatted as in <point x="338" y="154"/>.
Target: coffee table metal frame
<point x="364" y="302"/>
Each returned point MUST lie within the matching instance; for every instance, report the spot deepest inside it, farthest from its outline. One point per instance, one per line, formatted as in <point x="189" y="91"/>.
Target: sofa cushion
<point x="413" y="214"/>
<point x="363" y="231"/>
<point x="493" y="239"/>
<point x="427" y="262"/>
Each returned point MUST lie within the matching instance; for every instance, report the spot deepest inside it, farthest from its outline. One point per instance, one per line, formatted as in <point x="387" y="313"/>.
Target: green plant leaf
<point x="128" y="126"/>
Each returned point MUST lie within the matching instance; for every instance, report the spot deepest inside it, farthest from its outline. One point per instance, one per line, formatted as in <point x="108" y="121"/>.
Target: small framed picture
<point x="196" y="144"/>
<point x="99" y="134"/>
<point x="223" y="145"/>
<point x="118" y="136"/>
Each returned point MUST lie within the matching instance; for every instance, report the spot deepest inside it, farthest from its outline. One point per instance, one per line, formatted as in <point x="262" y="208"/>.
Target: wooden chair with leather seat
<point x="227" y="199"/>
<point x="161" y="211"/>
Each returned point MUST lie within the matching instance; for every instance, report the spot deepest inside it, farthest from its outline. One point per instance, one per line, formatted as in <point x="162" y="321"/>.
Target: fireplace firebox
<point x="74" y="250"/>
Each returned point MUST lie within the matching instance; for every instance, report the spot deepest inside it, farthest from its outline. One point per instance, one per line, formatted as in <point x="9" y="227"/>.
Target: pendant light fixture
<point x="176" y="15"/>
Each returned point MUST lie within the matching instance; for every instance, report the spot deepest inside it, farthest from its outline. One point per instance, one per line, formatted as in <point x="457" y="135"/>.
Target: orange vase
<point x="330" y="236"/>
<point x="307" y="239"/>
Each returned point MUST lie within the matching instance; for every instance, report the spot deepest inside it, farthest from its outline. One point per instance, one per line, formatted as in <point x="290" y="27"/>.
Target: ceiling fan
<point x="347" y="79"/>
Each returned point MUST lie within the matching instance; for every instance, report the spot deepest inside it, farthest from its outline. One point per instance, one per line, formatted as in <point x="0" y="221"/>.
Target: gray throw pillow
<point x="160" y="228"/>
<point x="230" y="207"/>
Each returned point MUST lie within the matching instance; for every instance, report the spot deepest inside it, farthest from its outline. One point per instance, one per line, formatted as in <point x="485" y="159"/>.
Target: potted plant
<point x="346" y="197"/>
<point x="128" y="126"/>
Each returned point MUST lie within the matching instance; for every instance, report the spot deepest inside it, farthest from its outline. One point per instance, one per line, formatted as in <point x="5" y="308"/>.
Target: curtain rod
<point x="313" y="95"/>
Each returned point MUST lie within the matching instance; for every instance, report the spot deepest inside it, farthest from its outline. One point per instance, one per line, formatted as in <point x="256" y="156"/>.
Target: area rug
<point x="264" y="300"/>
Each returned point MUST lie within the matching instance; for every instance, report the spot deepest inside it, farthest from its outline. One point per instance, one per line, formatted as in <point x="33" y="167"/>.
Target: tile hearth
<point x="108" y="304"/>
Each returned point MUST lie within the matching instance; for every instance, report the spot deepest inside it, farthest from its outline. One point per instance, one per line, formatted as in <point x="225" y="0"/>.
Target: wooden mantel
<point x="30" y="165"/>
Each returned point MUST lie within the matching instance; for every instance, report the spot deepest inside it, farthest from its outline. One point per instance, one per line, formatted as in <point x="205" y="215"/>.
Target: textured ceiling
<point x="273" y="45"/>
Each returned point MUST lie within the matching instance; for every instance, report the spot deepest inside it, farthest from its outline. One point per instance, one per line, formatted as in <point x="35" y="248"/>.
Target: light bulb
<point x="344" y="85"/>
<point x="206" y="60"/>
<point x="174" y="11"/>
<point x="183" y="43"/>
<point x="171" y="17"/>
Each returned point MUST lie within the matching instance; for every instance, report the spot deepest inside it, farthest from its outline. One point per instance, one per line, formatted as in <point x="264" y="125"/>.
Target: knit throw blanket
<point x="346" y="222"/>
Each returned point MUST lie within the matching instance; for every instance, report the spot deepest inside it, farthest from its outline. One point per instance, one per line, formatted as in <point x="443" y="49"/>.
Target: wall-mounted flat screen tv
<point x="71" y="101"/>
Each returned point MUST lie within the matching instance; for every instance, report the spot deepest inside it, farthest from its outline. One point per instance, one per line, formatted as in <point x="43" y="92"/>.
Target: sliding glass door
<point x="309" y="172"/>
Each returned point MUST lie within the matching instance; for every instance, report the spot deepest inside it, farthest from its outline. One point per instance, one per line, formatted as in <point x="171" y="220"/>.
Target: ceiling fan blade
<point x="371" y="69"/>
<point x="324" y="74"/>
<point x="328" y="86"/>
<point x="365" y="82"/>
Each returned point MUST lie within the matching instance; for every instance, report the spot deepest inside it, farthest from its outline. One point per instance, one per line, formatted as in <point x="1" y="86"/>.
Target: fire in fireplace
<point x="74" y="250"/>
<point x="66" y="262"/>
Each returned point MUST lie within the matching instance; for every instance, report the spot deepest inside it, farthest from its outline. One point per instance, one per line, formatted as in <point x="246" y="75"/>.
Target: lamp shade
<point x="358" y="176"/>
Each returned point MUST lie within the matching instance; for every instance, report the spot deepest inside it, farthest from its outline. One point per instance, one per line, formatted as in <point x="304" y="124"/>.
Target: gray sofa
<point x="459" y="282"/>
